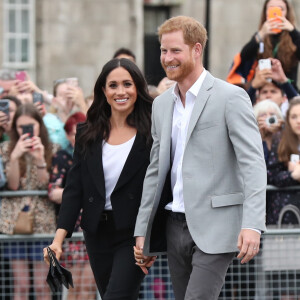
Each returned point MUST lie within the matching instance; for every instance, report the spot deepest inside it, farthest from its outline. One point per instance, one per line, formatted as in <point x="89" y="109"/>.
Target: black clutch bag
<point x="57" y="275"/>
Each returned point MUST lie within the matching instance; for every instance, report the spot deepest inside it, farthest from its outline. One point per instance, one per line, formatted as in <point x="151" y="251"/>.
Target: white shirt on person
<point x="181" y="119"/>
<point x="113" y="161"/>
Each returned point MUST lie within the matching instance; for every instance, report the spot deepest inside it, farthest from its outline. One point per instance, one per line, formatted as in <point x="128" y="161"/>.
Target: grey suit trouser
<point x="194" y="274"/>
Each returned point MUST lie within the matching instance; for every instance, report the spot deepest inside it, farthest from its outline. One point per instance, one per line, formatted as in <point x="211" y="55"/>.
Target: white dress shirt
<point x="181" y="119"/>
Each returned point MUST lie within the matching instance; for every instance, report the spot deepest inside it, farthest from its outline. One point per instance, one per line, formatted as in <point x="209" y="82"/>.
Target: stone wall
<point x="75" y="38"/>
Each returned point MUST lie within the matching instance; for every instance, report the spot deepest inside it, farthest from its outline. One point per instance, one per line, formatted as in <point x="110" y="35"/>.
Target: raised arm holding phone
<point x="276" y="37"/>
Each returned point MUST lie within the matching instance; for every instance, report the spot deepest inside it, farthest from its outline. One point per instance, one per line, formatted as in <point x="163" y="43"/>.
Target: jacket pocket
<point x="227" y="200"/>
<point x="205" y="125"/>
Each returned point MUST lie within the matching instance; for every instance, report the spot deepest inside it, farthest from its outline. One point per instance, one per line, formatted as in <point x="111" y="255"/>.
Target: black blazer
<point x="85" y="188"/>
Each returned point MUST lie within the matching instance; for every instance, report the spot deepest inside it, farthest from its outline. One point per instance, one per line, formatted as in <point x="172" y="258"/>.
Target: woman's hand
<point x="275" y="127"/>
<point x="23" y="145"/>
<point x="3" y="120"/>
<point x="37" y="150"/>
<point x="56" y="247"/>
<point x="55" y="194"/>
<point x="285" y="24"/>
<point x="75" y="94"/>
<point x="268" y="27"/>
<point x="27" y="86"/>
<point x="41" y="108"/>
<point x="265" y="128"/>
<point x="296" y="172"/>
<point x="291" y="166"/>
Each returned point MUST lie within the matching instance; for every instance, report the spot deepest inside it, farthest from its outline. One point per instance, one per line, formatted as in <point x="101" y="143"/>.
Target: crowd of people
<point x="38" y="152"/>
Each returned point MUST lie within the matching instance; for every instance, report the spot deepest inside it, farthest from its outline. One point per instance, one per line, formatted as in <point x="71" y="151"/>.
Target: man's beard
<point x="182" y="71"/>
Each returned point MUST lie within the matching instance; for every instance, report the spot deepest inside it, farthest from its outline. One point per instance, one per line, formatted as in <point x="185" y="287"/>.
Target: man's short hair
<point x="124" y="51"/>
<point x="276" y="84"/>
<point x="193" y="31"/>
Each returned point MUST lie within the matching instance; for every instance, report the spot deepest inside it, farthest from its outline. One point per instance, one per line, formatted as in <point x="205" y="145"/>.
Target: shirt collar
<point x="194" y="89"/>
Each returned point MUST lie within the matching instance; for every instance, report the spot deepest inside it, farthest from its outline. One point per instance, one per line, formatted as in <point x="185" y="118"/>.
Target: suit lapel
<point x="137" y="157"/>
<point x="200" y="102"/>
<point x="95" y="167"/>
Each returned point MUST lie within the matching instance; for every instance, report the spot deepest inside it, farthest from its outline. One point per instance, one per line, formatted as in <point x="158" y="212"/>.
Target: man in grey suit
<point x="204" y="190"/>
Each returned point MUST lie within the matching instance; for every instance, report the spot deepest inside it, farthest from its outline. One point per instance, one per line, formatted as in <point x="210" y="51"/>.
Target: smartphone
<point x="4" y="106"/>
<point x="294" y="158"/>
<point x="21" y="75"/>
<point x="72" y="81"/>
<point x="264" y="64"/>
<point x="273" y="13"/>
<point x="37" y="97"/>
<point x="28" y="128"/>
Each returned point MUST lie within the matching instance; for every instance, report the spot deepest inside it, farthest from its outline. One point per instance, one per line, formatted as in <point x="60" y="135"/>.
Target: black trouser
<point x="112" y="261"/>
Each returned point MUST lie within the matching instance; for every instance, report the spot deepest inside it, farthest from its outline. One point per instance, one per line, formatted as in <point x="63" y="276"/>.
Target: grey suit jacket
<point x="223" y="171"/>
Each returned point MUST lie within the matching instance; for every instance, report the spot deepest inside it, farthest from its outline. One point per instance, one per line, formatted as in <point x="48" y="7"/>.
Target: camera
<point x="272" y="120"/>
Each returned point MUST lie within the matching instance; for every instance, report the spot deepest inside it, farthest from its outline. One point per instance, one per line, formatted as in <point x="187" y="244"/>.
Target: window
<point x="19" y="35"/>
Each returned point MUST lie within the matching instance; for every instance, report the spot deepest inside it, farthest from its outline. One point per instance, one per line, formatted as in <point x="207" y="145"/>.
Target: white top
<point x="113" y="161"/>
<point x="181" y="119"/>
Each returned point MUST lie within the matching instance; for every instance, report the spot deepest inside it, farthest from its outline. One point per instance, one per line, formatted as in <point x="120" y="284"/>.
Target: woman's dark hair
<point x="289" y="142"/>
<point x="125" y="51"/>
<point x="31" y="111"/>
<point x="98" y="115"/>
<point x="286" y="48"/>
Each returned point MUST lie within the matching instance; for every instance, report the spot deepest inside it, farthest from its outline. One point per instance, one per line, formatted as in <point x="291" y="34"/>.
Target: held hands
<point x="142" y="261"/>
<point x="248" y="244"/>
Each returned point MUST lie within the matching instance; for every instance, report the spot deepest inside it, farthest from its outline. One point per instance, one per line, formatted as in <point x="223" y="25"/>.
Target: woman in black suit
<point x="110" y="161"/>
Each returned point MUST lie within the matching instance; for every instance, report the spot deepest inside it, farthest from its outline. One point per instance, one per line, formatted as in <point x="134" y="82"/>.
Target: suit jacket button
<point x="91" y="199"/>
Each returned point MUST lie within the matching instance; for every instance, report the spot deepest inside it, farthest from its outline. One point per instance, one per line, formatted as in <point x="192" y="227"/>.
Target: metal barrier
<point x="273" y="275"/>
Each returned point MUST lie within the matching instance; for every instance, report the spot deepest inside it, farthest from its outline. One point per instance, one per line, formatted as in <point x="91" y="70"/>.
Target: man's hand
<point x="278" y="74"/>
<point x="142" y="261"/>
<point x="248" y="244"/>
<point x="261" y="77"/>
